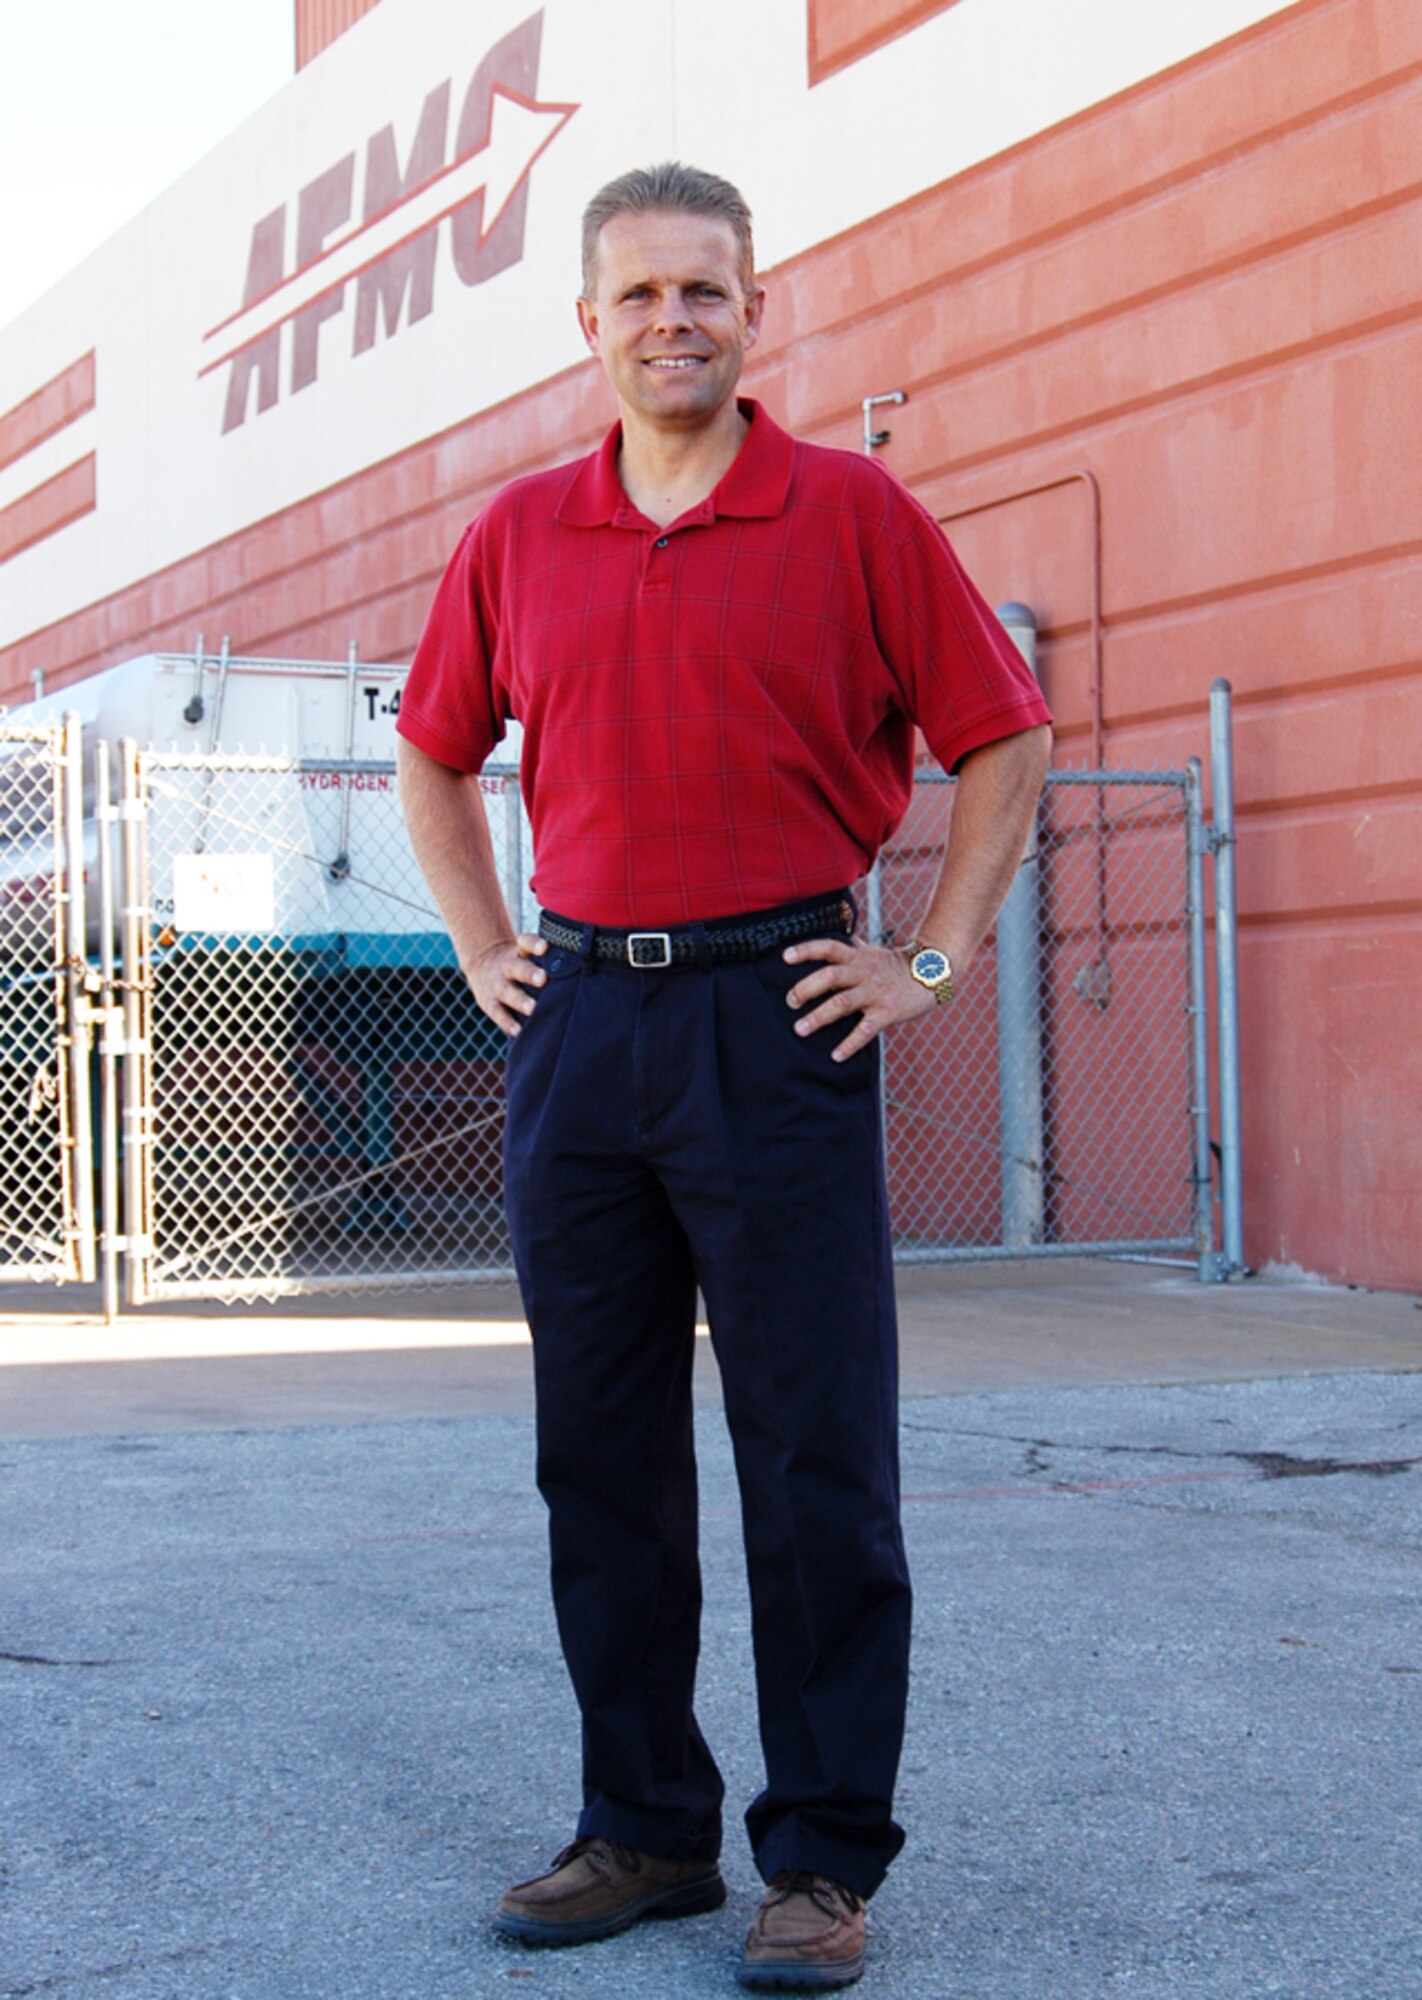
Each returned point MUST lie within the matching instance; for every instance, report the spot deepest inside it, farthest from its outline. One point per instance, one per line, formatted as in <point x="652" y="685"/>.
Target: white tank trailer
<point x="291" y="934"/>
<point x="306" y="851"/>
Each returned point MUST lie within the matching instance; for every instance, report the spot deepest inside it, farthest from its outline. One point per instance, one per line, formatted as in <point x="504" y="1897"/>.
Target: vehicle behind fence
<point x="311" y="1100"/>
<point x="325" y="1099"/>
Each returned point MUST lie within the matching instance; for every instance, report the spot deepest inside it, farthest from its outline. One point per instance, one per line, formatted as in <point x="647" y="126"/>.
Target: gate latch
<point x="109" y="1020"/>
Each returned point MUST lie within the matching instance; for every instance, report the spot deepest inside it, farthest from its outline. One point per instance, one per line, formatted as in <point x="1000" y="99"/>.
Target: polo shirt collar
<point x="754" y="486"/>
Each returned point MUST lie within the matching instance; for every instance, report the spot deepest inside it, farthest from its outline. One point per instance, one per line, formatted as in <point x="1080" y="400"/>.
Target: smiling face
<point x="670" y="317"/>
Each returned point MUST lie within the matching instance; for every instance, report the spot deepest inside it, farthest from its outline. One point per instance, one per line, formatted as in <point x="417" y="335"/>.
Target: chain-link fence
<point x="1057" y="1107"/>
<point x="322" y="1100"/>
<point x="312" y="1101"/>
<point x="46" y="1187"/>
<point x="325" y="1099"/>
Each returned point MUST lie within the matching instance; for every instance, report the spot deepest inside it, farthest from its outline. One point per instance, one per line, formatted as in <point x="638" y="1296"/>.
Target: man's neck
<point x="664" y="475"/>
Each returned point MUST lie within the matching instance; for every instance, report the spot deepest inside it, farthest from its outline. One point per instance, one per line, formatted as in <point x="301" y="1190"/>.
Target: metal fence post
<point x="874" y="904"/>
<point x="1019" y="1016"/>
<point x="110" y="1034"/>
<point x="76" y="1032"/>
<point x="1197" y="842"/>
<point x="1227" y="974"/>
<point x="513" y="847"/>
<point x="137" y="1107"/>
<point x="324" y="1065"/>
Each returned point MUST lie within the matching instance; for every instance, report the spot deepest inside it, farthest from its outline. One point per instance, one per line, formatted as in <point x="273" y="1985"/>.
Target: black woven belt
<point x="727" y="941"/>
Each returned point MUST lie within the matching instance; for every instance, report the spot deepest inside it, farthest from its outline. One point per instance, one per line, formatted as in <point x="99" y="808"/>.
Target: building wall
<point x="840" y="32"/>
<point x="1205" y="293"/>
<point x="318" y="22"/>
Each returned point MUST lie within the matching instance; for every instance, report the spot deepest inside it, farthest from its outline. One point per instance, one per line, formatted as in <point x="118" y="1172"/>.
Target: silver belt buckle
<point x="659" y="938"/>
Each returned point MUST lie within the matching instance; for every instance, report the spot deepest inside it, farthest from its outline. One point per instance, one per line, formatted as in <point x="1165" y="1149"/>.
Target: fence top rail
<point x="29" y="732"/>
<point x="263" y="663"/>
<point x="1176" y="780"/>
<point x="242" y="760"/>
<point x="257" y="761"/>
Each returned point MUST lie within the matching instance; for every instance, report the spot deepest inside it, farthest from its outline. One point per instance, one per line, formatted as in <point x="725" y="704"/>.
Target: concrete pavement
<point x="465" y="1353"/>
<point x="283" y="1710"/>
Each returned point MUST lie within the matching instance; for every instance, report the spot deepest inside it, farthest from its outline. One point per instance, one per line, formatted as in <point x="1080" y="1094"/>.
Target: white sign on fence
<point x="226" y="893"/>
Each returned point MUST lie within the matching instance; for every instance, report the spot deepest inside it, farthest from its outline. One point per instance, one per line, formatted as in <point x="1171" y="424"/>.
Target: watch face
<point x="930" y="967"/>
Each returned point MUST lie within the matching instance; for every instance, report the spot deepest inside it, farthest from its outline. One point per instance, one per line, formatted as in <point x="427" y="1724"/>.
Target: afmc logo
<point x="386" y="258"/>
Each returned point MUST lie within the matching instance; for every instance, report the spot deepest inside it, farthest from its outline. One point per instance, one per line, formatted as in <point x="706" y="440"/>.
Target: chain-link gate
<point x="1060" y="1106"/>
<point x="315" y="1102"/>
<point x="46" y="1155"/>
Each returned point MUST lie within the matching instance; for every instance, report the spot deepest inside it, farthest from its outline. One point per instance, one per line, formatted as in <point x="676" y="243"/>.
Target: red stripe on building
<point x="319" y="22"/>
<point x="65" y="498"/>
<point x="61" y="400"/>
<point x="841" y="32"/>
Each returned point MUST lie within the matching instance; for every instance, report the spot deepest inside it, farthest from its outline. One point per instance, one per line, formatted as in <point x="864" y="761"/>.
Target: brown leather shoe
<point x="596" y="1888"/>
<point x="808" y="1934"/>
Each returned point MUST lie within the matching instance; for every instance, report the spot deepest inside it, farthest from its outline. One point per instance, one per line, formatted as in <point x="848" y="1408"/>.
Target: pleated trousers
<point x="667" y="1130"/>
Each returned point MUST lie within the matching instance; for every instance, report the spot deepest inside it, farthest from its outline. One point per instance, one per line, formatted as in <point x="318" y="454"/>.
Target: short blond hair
<point x="668" y="188"/>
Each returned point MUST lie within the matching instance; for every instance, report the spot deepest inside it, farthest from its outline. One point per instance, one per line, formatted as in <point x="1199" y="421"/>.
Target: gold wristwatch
<point x="931" y="968"/>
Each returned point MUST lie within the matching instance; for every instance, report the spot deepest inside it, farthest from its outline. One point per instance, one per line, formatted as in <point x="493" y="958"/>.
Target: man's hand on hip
<point x="504" y="979"/>
<point x="865" y="979"/>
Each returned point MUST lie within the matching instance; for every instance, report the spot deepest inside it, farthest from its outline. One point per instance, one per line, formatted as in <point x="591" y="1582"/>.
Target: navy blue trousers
<point x="668" y="1129"/>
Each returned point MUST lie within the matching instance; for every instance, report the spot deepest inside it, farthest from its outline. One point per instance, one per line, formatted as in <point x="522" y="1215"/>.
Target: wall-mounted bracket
<point x="872" y="438"/>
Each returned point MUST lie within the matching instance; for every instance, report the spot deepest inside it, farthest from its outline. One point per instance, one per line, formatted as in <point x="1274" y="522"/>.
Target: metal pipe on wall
<point x="1093" y="980"/>
<point x="1096" y="693"/>
<point x="1019" y="1017"/>
<point x="874" y="881"/>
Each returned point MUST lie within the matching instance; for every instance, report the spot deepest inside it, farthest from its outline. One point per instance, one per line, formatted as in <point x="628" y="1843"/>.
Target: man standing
<point x="718" y="641"/>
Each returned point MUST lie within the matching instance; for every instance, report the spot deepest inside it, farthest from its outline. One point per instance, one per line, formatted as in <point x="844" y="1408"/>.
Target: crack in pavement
<point x="120" y="1969"/>
<point x="43" y="1660"/>
<point x="1268" y="1464"/>
<point x="1284" y="1465"/>
<point x="1040" y="1444"/>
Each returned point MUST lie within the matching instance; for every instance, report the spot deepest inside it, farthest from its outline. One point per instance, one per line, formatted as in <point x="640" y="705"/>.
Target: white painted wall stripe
<point x="43" y="461"/>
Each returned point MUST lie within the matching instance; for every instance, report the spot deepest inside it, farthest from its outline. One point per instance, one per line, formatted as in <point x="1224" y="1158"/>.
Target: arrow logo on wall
<point x="520" y="129"/>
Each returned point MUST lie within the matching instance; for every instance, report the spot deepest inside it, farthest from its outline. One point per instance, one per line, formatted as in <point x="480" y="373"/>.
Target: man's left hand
<point x="864" y="979"/>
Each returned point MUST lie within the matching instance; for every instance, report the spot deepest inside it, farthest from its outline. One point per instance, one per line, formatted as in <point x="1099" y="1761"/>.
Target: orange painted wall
<point x="1205" y="291"/>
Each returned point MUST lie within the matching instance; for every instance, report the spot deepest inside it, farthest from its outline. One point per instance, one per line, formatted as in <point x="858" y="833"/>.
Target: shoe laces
<point x="600" y="1852"/>
<point x="826" y="1894"/>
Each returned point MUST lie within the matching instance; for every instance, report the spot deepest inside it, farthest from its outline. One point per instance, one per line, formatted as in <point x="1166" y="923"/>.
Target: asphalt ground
<point x="281" y="1708"/>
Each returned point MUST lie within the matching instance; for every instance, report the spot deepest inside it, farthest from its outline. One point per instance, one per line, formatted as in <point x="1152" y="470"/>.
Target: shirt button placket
<point x="654" y="611"/>
<point x="656" y="565"/>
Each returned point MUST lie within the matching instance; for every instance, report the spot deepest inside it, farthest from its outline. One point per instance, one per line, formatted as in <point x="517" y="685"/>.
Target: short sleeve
<point x="959" y="676"/>
<point x="449" y="707"/>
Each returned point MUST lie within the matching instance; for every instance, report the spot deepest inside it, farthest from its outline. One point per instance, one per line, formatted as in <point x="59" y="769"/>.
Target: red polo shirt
<point x="718" y="716"/>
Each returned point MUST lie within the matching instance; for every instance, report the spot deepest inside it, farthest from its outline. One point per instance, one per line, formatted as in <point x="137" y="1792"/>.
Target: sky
<point x="105" y="103"/>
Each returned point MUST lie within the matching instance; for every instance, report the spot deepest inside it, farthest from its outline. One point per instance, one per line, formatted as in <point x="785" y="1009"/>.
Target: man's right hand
<point x="504" y="979"/>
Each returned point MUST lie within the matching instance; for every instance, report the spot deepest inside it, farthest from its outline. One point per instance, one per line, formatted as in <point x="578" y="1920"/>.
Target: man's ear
<point x="587" y="320"/>
<point x="755" y="315"/>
